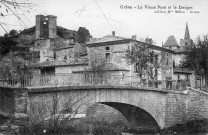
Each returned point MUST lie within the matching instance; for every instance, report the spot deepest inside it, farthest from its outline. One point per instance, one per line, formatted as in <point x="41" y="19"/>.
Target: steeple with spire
<point x="187" y="41"/>
<point x="186" y="36"/>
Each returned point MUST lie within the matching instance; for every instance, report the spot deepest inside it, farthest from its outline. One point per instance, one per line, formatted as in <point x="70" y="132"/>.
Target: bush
<point x="105" y="131"/>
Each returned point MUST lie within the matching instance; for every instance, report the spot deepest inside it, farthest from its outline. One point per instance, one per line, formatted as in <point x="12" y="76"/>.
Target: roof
<point x="105" y="39"/>
<point x="126" y="40"/>
<point x="78" y="48"/>
<point x="171" y="41"/>
<point x="60" y="63"/>
<point x="106" y="67"/>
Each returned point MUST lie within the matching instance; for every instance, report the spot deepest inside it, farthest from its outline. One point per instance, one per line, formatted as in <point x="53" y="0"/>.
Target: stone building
<point x="111" y="50"/>
<point x="178" y="76"/>
<point x="106" y="56"/>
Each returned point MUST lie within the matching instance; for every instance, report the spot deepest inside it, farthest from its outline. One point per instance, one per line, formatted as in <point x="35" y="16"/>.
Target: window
<point x="187" y="77"/>
<point x="167" y="62"/>
<point x="107" y="48"/>
<point x="107" y="57"/>
<point x="136" y="67"/>
<point x="156" y="73"/>
<point x="156" y="59"/>
<point x="151" y="57"/>
<point x="174" y="64"/>
<point x="48" y="70"/>
<point x="178" y="77"/>
<point x="65" y="58"/>
<point x="54" y="55"/>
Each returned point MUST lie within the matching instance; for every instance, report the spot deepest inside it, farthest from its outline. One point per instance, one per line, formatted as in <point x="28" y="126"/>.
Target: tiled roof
<point x="105" y="39"/>
<point x="171" y="41"/>
<point x="107" y="67"/>
<point x="124" y="41"/>
<point x="57" y="63"/>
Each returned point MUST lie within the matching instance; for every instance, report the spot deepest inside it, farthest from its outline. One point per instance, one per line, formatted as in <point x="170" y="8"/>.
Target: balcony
<point x="182" y="70"/>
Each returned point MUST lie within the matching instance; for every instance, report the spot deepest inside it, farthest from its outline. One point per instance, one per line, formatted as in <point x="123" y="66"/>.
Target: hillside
<point x="21" y="41"/>
<point x="61" y="32"/>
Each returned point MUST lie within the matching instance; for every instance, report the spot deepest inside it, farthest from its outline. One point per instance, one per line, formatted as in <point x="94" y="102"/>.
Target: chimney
<point x="134" y="37"/>
<point x="113" y="33"/>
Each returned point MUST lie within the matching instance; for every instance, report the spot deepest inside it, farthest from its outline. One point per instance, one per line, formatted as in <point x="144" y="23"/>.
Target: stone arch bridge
<point x="141" y="106"/>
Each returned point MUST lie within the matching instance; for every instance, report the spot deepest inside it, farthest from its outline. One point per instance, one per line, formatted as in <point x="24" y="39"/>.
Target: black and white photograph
<point x="104" y="67"/>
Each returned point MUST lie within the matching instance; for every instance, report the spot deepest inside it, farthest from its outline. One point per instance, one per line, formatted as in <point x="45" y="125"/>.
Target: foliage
<point x="25" y="40"/>
<point x="66" y="33"/>
<point x="196" y="58"/>
<point x="83" y="35"/>
<point x="29" y="31"/>
<point x="145" y="60"/>
<point x="138" y="55"/>
<point x="13" y="33"/>
<point x="13" y="66"/>
<point x="7" y="44"/>
<point x="52" y="114"/>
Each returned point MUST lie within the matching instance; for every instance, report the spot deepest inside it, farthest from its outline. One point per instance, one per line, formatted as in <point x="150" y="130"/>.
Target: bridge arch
<point x="149" y="106"/>
<point x="135" y="115"/>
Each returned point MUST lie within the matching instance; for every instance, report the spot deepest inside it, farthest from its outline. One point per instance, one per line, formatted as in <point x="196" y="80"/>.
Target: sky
<point x="143" y="18"/>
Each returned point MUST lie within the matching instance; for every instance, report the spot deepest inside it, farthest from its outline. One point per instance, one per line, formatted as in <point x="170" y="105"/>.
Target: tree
<point x="95" y="72"/>
<point x="15" y="8"/>
<point x="145" y="60"/>
<point x="7" y="43"/>
<point x="83" y="35"/>
<point x="138" y="55"/>
<point x="196" y="59"/>
<point x="13" y="67"/>
<point x="13" y="33"/>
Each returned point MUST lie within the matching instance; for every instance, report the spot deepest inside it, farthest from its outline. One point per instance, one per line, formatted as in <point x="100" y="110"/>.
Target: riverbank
<point x="192" y="127"/>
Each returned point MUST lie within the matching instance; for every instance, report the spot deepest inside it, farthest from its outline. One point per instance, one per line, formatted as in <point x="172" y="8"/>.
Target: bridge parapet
<point x="86" y="79"/>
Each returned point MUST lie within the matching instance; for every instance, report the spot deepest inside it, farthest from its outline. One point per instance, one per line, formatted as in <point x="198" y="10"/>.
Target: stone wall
<point x="181" y="108"/>
<point x="12" y="100"/>
<point x="65" y="54"/>
<point x="7" y="102"/>
<point x="117" y="53"/>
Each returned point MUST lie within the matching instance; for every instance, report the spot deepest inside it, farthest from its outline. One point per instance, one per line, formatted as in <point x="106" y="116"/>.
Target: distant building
<point x="52" y="54"/>
<point x="177" y="75"/>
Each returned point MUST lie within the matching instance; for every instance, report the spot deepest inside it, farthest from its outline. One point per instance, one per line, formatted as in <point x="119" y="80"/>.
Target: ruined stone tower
<point x="46" y="27"/>
<point x="45" y="31"/>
